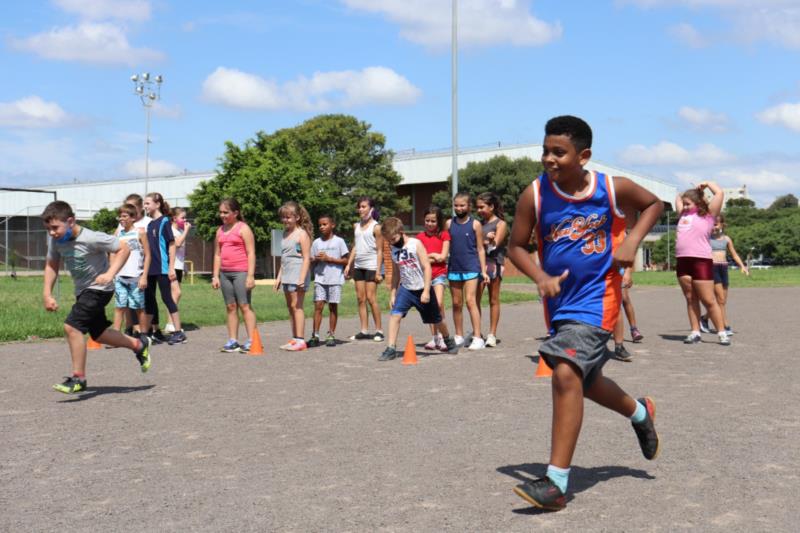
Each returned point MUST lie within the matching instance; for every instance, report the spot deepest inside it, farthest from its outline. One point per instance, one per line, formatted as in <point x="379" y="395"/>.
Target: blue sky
<point x="682" y="90"/>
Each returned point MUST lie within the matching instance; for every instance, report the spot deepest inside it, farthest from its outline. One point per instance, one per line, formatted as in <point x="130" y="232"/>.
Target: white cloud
<point x="786" y="115"/>
<point x="157" y="167"/>
<point x="133" y="10"/>
<point x="688" y="35"/>
<point x="324" y="90"/>
<point x="95" y="43"/>
<point x="32" y="112"/>
<point x="761" y="180"/>
<point x="703" y="119"/>
<point x="480" y="22"/>
<point x="670" y="154"/>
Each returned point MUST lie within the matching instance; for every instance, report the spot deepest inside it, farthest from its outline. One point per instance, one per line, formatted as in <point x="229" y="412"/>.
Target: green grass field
<point x="773" y="277"/>
<point x="24" y="317"/>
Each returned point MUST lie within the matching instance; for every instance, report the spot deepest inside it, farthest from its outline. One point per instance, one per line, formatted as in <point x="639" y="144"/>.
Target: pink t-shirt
<point x="694" y="232"/>
<point x="232" y="251"/>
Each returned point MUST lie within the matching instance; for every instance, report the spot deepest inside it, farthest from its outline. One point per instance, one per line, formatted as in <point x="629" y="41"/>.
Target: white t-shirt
<point x="412" y="275"/>
<point x="180" y="251"/>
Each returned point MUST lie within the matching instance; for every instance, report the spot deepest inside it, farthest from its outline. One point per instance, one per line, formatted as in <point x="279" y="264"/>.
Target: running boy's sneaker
<point x="477" y="344"/>
<point x="71" y="385"/>
<point x="330" y="340"/>
<point x="543" y="494"/>
<point x="297" y="346"/>
<point x="450" y="345"/>
<point x="491" y="341"/>
<point x="636" y="335"/>
<point x="313" y="342"/>
<point x="692" y="338"/>
<point x="704" y="325"/>
<point x="179" y="337"/>
<point x="724" y="338"/>
<point x="143" y="353"/>
<point x="361" y="336"/>
<point x="646" y="430"/>
<point x="230" y="347"/>
<point x="378" y="336"/>
<point x="388" y="354"/>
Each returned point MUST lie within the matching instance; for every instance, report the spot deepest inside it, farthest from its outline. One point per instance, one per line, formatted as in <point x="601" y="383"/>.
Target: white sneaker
<point x="441" y="346"/>
<point x="724" y="338"/>
<point x="431" y="345"/>
<point x="169" y="328"/>
<point x="459" y="340"/>
<point x="491" y="341"/>
<point x="477" y="344"/>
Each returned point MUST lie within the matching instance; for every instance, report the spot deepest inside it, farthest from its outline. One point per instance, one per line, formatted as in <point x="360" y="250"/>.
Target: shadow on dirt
<point x="92" y="392"/>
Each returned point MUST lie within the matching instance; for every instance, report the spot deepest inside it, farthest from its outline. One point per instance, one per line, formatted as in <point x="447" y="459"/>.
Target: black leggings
<point x="150" y="305"/>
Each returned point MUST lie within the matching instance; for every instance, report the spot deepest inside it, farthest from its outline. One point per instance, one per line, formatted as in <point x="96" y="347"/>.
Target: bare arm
<point x="171" y="272"/>
<point x="250" y="248"/>
<point x="216" y="265"/>
<point x="351" y="258"/>
<point x="499" y="236"/>
<point x="181" y="238"/>
<point x="426" y="273"/>
<point x="633" y="197"/>
<point x="736" y="258"/>
<point x="146" y="263"/>
<point x="476" y="226"/>
<point x="379" y="252"/>
<point x="117" y="262"/>
<point x="679" y="204"/>
<point x="715" y="205"/>
<point x="50" y="277"/>
<point x="441" y="257"/>
<point x="305" y="251"/>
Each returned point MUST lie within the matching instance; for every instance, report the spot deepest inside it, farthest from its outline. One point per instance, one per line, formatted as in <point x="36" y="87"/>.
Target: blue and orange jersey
<point x="581" y="234"/>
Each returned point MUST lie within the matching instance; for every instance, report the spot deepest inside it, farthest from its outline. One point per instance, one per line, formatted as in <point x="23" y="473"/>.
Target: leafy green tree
<point x="787" y="201"/>
<point x="504" y="176"/>
<point x="104" y="220"/>
<point x="325" y="164"/>
<point x="740" y="202"/>
<point x="660" y="248"/>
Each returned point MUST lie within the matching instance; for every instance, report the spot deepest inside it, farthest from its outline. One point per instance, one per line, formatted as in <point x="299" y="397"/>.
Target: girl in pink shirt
<point x="693" y="253"/>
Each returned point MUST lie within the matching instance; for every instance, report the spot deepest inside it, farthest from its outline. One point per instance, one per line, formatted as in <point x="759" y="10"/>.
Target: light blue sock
<point x="559" y="476"/>
<point x="639" y="414"/>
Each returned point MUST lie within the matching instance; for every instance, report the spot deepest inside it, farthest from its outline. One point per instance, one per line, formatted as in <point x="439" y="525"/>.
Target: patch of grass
<point x="24" y="316"/>
<point x="772" y="277"/>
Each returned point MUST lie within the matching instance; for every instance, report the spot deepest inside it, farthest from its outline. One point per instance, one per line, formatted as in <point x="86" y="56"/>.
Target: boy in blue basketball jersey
<point x="577" y="217"/>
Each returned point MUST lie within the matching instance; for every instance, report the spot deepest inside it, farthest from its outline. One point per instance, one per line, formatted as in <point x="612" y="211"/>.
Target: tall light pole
<point x="148" y="89"/>
<point x="454" y="86"/>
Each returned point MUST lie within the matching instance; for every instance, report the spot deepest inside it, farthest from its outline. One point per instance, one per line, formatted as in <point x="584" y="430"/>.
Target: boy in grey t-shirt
<point x="329" y="255"/>
<point x="85" y="253"/>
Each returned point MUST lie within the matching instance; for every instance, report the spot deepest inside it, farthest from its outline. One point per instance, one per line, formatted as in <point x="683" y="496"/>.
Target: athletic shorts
<point x="462" y="276"/>
<point x="234" y="288"/>
<point x="494" y="270"/>
<point x="179" y="275"/>
<point x="581" y="344"/>
<point x="88" y="315"/>
<point x="721" y="274"/>
<point x="362" y="274"/>
<point x="327" y="293"/>
<point x="439" y="280"/>
<point x="698" y="268"/>
<point x="406" y="299"/>
<point x="127" y="293"/>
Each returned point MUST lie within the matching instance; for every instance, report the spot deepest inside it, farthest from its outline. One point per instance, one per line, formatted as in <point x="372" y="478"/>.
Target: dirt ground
<point x="332" y="440"/>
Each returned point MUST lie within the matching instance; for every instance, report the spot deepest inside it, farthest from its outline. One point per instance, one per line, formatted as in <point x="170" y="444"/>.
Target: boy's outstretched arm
<point x="633" y="197"/>
<point x="50" y="276"/>
<point x="521" y="230"/>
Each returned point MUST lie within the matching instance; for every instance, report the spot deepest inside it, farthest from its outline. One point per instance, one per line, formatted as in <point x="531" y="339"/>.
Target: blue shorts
<point x="439" y="280"/>
<point x="127" y="293"/>
<point x="462" y="276"/>
<point x="406" y="299"/>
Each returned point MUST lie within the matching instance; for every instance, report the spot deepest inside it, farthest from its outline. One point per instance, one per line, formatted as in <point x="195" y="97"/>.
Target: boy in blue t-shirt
<point x="85" y="253"/>
<point x="578" y="220"/>
<point x="329" y="255"/>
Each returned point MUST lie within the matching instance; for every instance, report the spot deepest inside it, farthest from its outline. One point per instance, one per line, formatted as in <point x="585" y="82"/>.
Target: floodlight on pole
<point x="149" y="92"/>
<point x="454" y="93"/>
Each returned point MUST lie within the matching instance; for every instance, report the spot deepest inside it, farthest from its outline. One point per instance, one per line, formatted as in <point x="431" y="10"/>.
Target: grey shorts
<point x="327" y="293"/>
<point x="581" y="344"/>
<point x="234" y="288"/>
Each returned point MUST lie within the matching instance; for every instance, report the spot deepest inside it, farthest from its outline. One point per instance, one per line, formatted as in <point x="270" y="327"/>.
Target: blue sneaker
<point x="245" y="348"/>
<point x="230" y="347"/>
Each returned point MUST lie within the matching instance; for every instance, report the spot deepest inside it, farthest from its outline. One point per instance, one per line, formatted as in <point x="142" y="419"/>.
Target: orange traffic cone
<point x="92" y="344"/>
<point x="410" y="354"/>
<point x="543" y="371"/>
<point x="255" y="344"/>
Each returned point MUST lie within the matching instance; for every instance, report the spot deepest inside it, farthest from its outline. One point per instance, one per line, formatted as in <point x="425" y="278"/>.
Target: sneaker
<point x="230" y="347"/>
<point x="361" y="336"/>
<point x="442" y="346"/>
<point x="704" y="325"/>
<point x="477" y="344"/>
<point x="378" y="336"/>
<point x="71" y="385"/>
<point x="728" y="330"/>
<point x="491" y="341"/>
<point x="432" y="344"/>
<point x="288" y="345"/>
<point x="724" y="338"/>
<point x="646" y="431"/>
<point x="158" y="337"/>
<point x="297" y="346"/>
<point x="450" y="345"/>
<point x="621" y="354"/>
<point x="143" y="353"/>
<point x="245" y="348"/>
<point x="459" y="340"/>
<point x="543" y="494"/>
<point x="636" y="335"/>
<point x="169" y="328"/>
<point x="129" y="331"/>
<point x="313" y="342"/>
<point x="179" y="337"/>
<point x="330" y="340"/>
<point x="388" y="354"/>
<point x="692" y="338"/>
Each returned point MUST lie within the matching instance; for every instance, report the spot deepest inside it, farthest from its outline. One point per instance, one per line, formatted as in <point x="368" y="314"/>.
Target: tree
<point x="504" y="176"/>
<point x="104" y="220"/>
<point x="787" y="201"/>
<point x="660" y="248"/>
<point x="740" y="202"/>
<point x="325" y="164"/>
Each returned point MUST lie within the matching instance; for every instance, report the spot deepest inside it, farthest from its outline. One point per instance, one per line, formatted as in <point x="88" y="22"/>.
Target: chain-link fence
<point x="23" y="241"/>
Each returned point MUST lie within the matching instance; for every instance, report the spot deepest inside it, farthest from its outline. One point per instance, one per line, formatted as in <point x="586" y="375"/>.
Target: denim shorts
<point x="439" y="280"/>
<point x="127" y="293"/>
